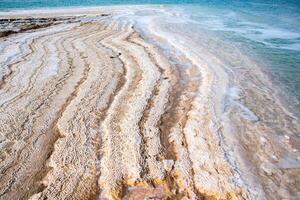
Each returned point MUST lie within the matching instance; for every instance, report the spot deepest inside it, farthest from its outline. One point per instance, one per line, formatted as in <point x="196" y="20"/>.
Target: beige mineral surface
<point x="92" y="110"/>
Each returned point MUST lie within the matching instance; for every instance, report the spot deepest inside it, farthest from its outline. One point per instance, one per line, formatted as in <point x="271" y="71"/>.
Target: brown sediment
<point x="10" y="26"/>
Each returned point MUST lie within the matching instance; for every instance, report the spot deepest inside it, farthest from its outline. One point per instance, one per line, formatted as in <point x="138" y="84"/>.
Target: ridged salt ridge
<point x="94" y="111"/>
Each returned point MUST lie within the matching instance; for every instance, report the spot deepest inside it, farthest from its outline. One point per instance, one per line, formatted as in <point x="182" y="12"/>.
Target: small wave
<point x="234" y="97"/>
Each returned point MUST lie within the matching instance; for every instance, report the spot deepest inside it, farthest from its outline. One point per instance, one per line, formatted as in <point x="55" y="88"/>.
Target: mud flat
<point x="91" y="108"/>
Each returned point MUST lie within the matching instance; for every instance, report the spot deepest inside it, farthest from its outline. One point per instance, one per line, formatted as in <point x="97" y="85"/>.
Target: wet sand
<point x="96" y="109"/>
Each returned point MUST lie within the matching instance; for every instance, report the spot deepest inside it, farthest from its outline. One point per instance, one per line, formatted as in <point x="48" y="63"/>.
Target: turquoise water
<point x="269" y="30"/>
<point x="28" y="4"/>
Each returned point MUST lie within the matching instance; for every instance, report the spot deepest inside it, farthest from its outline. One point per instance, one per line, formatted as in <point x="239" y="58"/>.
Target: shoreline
<point x="114" y="10"/>
<point x="75" y="10"/>
<point x="159" y="119"/>
<point x="53" y="11"/>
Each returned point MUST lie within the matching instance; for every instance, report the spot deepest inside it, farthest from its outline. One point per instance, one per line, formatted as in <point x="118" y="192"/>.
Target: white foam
<point x="234" y="99"/>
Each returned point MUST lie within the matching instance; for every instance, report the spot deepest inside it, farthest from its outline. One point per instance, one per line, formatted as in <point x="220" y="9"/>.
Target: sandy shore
<point x="94" y="109"/>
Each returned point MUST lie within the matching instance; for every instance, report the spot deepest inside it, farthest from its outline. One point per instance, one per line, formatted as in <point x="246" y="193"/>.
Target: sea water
<point x="268" y="31"/>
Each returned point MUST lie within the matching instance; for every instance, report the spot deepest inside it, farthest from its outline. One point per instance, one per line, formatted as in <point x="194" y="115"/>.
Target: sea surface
<point x="268" y="31"/>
